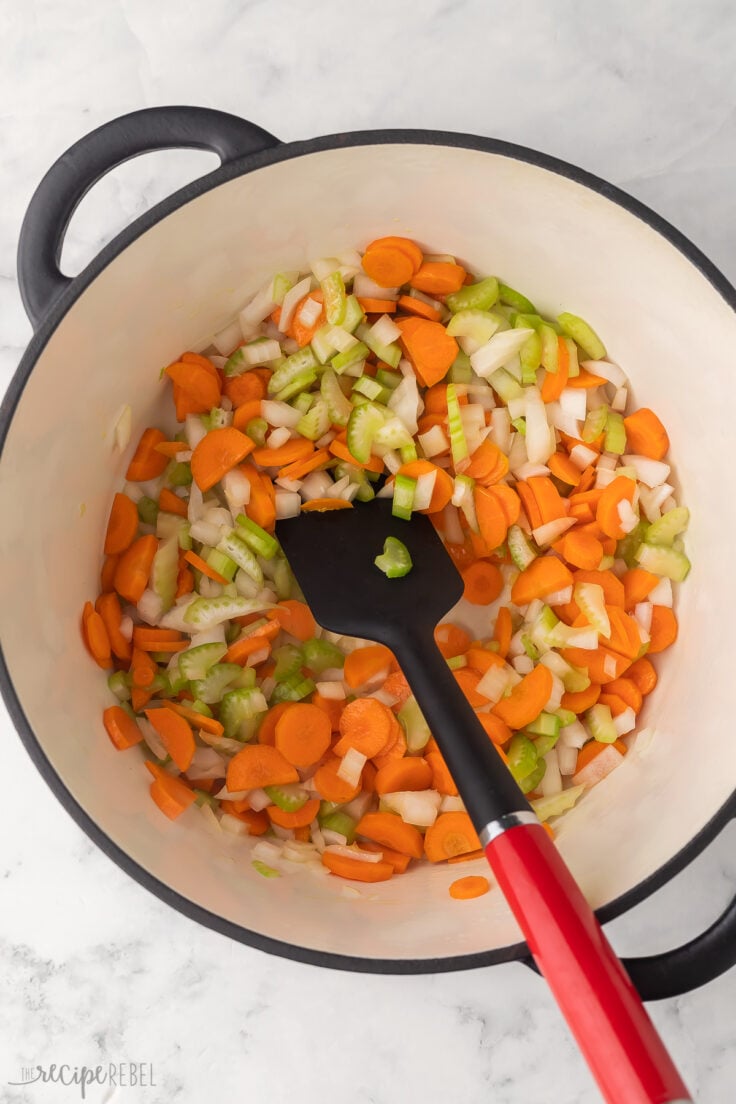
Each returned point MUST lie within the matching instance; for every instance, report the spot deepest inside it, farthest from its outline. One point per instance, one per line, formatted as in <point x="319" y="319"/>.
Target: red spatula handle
<point x="599" y="1002"/>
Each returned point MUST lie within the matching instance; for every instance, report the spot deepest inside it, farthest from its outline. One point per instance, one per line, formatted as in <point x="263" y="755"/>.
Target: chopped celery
<point x="236" y="549"/>
<point x="370" y="387"/>
<point x="201" y="707"/>
<point x="504" y="384"/>
<point x="515" y="299"/>
<point x="298" y="383"/>
<point x="575" y="680"/>
<point x="264" y="869"/>
<point x="322" y="345"/>
<point x="546" y="724"/>
<point x="549" y="348"/>
<point x="555" y="804"/>
<point x="315" y="423"/>
<point x="522" y="756"/>
<point x="403" y="503"/>
<point x="290" y="797"/>
<point x="531" y="358"/>
<point x="478" y="324"/>
<point x="349" y="357"/>
<point x="388" y="379"/>
<point x="529" y="647"/>
<point x="288" y="661"/>
<point x="615" y="439"/>
<point x="661" y="560"/>
<point x="221" y="563"/>
<point x="395" y="561"/>
<point x="303" y="402"/>
<point x="179" y="474"/>
<point x="460" y="370"/>
<point x="456" y="662"/>
<point x="165" y="570"/>
<point x="239" y="709"/>
<point x="354" y="314"/>
<point x="458" y="442"/>
<point x="217" y="680"/>
<point x="172" y="525"/>
<point x="416" y="728"/>
<point x="217" y="418"/>
<point x="591" y="599"/>
<point x="566" y="716"/>
<point x="320" y="654"/>
<point x="294" y="367"/>
<point x="530" y="783"/>
<point x="203" y="798"/>
<point x="600" y="723"/>
<point x="669" y="526"/>
<point x="340" y="822"/>
<point x="363" y="424"/>
<point x="339" y="406"/>
<point x="282" y="282"/>
<point x="204" y="613"/>
<point x="478" y="296"/>
<point x="119" y="684"/>
<point x="390" y="354"/>
<point x="257" y="539"/>
<point x="282" y="579"/>
<point x="573" y="368"/>
<point x="627" y="548"/>
<point x="520" y="548"/>
<point x="519" y="425"/>
<point x="335" y="299"/>
<point x="294" y="688"/>
<point x="394" y="434"/>
<point x="583" y="335"/>
<point x="256" y="429"/>
<point x="543" y="744"/>
<point x="147" y="510"/>
<point x="196" y="662"/>
<point x="326" y="808"/>
<point x="595" y="424"/>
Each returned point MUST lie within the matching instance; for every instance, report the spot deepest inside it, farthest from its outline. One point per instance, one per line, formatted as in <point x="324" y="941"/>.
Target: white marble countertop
<point x="94" y="969"/>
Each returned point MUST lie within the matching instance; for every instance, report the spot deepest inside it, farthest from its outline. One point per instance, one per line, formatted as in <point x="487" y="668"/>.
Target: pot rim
<point x="229" y="171"/>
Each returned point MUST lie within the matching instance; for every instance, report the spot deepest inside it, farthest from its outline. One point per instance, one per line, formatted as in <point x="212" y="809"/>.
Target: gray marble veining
<point x="93" y="968"/>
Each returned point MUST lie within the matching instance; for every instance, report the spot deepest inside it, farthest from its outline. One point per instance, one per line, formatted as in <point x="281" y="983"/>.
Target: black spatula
<point x="332" y="557"/>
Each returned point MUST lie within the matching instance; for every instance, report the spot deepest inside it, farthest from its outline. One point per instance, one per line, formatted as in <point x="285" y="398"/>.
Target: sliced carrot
<point x="544" y="576"/>
<point x="170" y="503"/>
<point x="429" y="347"/>
<point x="197" y="382"/>
<point x="581" y="700"/>
<point x="366" y="725"/>
<point x="503" y="631"/>
<point x="122" y="525"/>
<point x="146" y="462"/>
<point x="259" y="765"/>
<point x="582" y="550"/>
<point x="325" y="505"/>
<point x="627" y="689"/>
<point x="397" y="686"/>
<point x="643" y="674"/>
<point x="625" y="637"/>
<point x="338" y="447"/>
<point x="300" y="468"/>
<point x="184" y="579"/>
<point x="355" y="870"/>
<point x="294" y="618"/>
<point x="245" y="413"/>
<point x="491" y="515"/>
<point x="302" y="818"/>
<point x="161" y="636"/>
<point x="529" y="502"/>
<point x="442" y="780"/>
<point x="645" y="434"/>
<point x="331" y="707"/>
<point x="467" y="857"/>
<point x="377" y="306"/>
<point x="554" y="383"/>
<point x="108" y="607"/>
<point x="390" y="829"/>
<point x="396" y="749"/>
<point x="563" y="468"/>
<point x="107" y="575"/>
<point x="487" y="464"/>
<point x="176" y="735"/>
<point x="267" y="727"/>
<point x="606" y="514"/>
<point x="202" y="565"/>
<point x="527" y="699"/>
<point x="405" y="245"/>
<point x="248" y="387"/>
<point x="483" y="582"/>
<point x="134" y="568"/>
<point x="241" y="650"/>
<point x="616" y="704"/>
<point x="197" y="720"/>
<point x="172" y="795"/>
<point x="438" y="278"/>
<point x="143" y="669"/>
<point x="139" y="698"/>
<point x="498" y="730"/>
<point x="637" y="584"/>
<point x="602" y="664"/>
<point x="451" y="834"/>
<point x="464" y="889"/>
<point x="435" y="400"/>
<point x="663" y="629"/>
<point x="398" y="861"/>
<point x="260" y="508"/>
<point x="303" y="735"/>
<point x="411" y="773"/>
<point x="467" y="679"/>
<point x="482" y="659"/>
<point x="589" y="751"/>
<point x="301" y="332"/>
<point x="585" y="380"/>
<point x="330" y="786"/>
<point x="443" y="484"/>
<point x="387" y="265"/>
<point x="298" y="448"/>
<point x="550" y="503"/>
<point x="417" y="306"/>
<point x="258" y="823"/>
<point x="363" y="664"/>
<point x="217" y="454"/>
<point x="451" y="639"/>
<point x="121" y="728"/>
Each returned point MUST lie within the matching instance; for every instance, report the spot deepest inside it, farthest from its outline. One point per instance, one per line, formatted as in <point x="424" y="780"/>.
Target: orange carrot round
<point x="388" y="266"/>
<point x="121" y="728"/>
<point x="429" y="347"/>
<point x="355" y="869"/>
<point x="443" y="484"/>
<point x="95" y="637"/>
<point x="267" y="727"/>
<point x="527" y="699"/>
<point x="146" y="462"/>
<point x="300" y="819"/>
<point x="544" y="576"/>
<point x="390" y="829"/>
<point x="243" y="389"/>
<point x="451" y="639"/>
<point x="503" y="631"/>
<point x="417" y="306"/>
<point x="475" y="885"/>
<point x="259" y="765"/>
<point x="497" y="729"/>
<point x="606" y="514"/>
<point x="442" y="780"/>
<point x="217" y="454"/>
<point x="663" y="629"/>
<point x="638" y="584"/>
<point x="363" y="664"/>
<point x="487" y="464"/>
<point x="643" y="674"/>
<point x="330" y="786"/>
<point x="582" y="550"/>
<point x="645" y="434"/>
<point x="122" y="525"/>
<point x="410" y="773"/>
<point x="451" y="834"/>
<point x="201" y="387"/>
<point x="438" y="278"/>
<point x="324" y="505"/>
<point x="176" y="735"/>
<point x="491" y="515"/>
<point x="483" y="582"/>
<point x="377" y="306"/>
<point x="563" y="468"/>
<point x="367" y="726"/>
<point x="303" y="734"/>
<point x="172" y="795"/>
<point x="404" y="245"/>
<point x="581" y="700"/>
<point x="134" y="568"/>
<point x="108" y="607"/>
<point x="197" y="720"/>
<point x="295" y="618"/>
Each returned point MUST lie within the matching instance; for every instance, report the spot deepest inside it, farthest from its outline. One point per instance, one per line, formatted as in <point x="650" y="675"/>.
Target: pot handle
<point x="687" y="967"/>
<point x="76" y="171"/>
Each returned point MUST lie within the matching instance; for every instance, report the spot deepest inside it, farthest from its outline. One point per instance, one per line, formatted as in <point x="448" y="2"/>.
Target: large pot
<point x="176" y="276"/>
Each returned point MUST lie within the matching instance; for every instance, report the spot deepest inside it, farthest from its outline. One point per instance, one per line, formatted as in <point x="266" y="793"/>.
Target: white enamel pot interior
<point x="569" y="248"/>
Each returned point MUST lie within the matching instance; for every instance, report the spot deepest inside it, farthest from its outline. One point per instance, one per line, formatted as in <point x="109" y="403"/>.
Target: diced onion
<point x="291" y="299"/>
<point x="643" y="614"/>
<point x="122" y="428"/>
<point x="434" y="441"/>
<point x="523" y="664"/>
<point x="385" y="330"/>
<point x="351" y="767"/>
<point x="258" y="800"/>
<point x="353" y="853"/>
<point x="279" y="414"/>
<point x="278" y="437"/>
<point x="582" y="456"/>
<point x="288" y="504"/>
<point x="333" y="690"/>
<point x="365" y="288"/>
<point x="652" y="473"/>
<point x="662" y="594"/>
<point x="308" y="314"/>
<point x="573" y="401"/>
<point x="607" y="370"/>
<point x="228" y="339"/>
<point x="546" y="534"/>
<point x="625" y="722"/>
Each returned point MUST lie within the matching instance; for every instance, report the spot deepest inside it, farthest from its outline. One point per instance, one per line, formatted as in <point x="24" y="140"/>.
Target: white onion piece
<point x="567" y="757"/>
<point x="628" y="517"/>
<point x="620" y="399"/>
<point x="424" y="490"/>
<point x="126" y="626"/>
<point x="278" y="437"/>
<point x="340" y="339"/>
<point x="385" y="330"/>
<point x="152" y="738"/>
<point x="523" y="664"/>
<point x="643" y="614"/>
<point x="150" y="607"/>
<point x="206" y="763"/>
<point x="227" y="339"/>
<point x="334" y="690"/>
<point x="501" y="429"/>
<point x="334" y="839"/>
<point x="194" y="430"/>
<point x="582" y="456"/>
<point x="309" y="312"/>
<point x="539" y="441"/>
<point x="258" y="800"/>
<point x="625" y="722"/>
<point x="551" y="782"/>
<point x="288" y="504"/>
<point x="324" y="267"/>
<point x="351" y="767"/>
<point x="316" y="485"/>
<point x="353" y="852"/>
<point x="205" y="532"/>
<point x="607" y="370"/>
<point x="559" y="597"/>
<point x="266" y="852"/>
<point x="498" y="351"/>
<point x="652" y="473"/>
<point x="662" y="594"/>
<point x="279" y="414"/>
<point x="260" y="306"/>
<point x="549" y="532"/>
<point x="122" y="425"/>
<point x="573" y="401"/>
<point x="607" y="461"/>
<point x="573" y="735"/>
<point x="291" y="299"/>
<point x="604" y="476"/>
<point x="406" y="403"/>
<point x="365" y="288"/>
<point x="434" y="441"/>
<point x="451" y="526"/>
<point x="529" y="469"/>
<point x="494" y="683"/>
